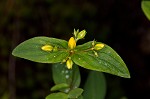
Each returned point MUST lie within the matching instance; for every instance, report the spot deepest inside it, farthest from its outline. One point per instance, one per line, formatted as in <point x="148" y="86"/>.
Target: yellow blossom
<point x="47" y="47"/>
<point x="69" y="64"/>
<point x="98" y="46"/>
<point x="72" y="43"/>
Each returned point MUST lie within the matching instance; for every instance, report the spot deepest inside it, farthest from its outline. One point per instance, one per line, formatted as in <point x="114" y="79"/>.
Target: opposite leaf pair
<point x="91" y="55"/>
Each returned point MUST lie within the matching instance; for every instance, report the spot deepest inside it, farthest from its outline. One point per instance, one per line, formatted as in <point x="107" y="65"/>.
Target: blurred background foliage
<point x="118" y="23"/>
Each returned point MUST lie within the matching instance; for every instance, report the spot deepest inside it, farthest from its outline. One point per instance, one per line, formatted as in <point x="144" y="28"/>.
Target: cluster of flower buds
<point x="72" y="44"/>
<point x="79" y="35"/>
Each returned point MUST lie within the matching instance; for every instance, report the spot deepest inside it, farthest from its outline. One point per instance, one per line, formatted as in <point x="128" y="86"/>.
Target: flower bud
<point x="69" y="64"/>
<point x="72" y="43"/>
<point x="95" y="53"/>
<point x="55" y="49"/>
<point x="47" y="47"/>
<point x="81" y="34"/>
<point x="93" y="43"/>
<point x="76" y="32"/>
<point x="98" y="46"/>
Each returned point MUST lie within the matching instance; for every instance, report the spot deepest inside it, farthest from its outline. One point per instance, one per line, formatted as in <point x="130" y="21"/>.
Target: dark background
<point x="119" y="23"/>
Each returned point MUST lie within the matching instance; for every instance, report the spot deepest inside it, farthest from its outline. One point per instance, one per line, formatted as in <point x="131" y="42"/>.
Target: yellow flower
<point x="72" y="43"/>
<point x="69" y="64"/>
<point x="98" y="46"/>
<point x="47" y="47"/>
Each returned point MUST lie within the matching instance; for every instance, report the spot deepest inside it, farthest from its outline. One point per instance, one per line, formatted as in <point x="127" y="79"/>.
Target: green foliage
<point x="106" y="61"/>
<point x="58" y="95"/>
<point x="31" y="50"/>
<point x="63" y="75"/>
<point x="146" y="8"/>
<point x="91" y="55"/>
<point x="95" y="86"/>
<point x="59" y="87"/>
<point x="75" y="93"/>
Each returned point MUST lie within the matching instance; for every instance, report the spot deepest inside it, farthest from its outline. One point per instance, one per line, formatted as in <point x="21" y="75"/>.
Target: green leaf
<point x="31" y="50"/>
<point x="75" y="93"/>
<point x="95" y="86"/>
<point x="63" y="75"/>
<point x="57" y="96"/>
<point x="80" y="97"/>
<point x="59" y="86"/>
<point x="146" y="8"/>
<point x="107" y="60"/>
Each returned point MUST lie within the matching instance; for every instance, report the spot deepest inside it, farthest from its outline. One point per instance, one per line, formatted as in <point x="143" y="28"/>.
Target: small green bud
<point x="98" y="46"/>
<point x="93" y="43"/>
<point x="76" y="32"/>
<point x="81" y="34"/>
<point x="47" y="47"/>
<point x="55" y="49"/>
<point x="95" y="53"/>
